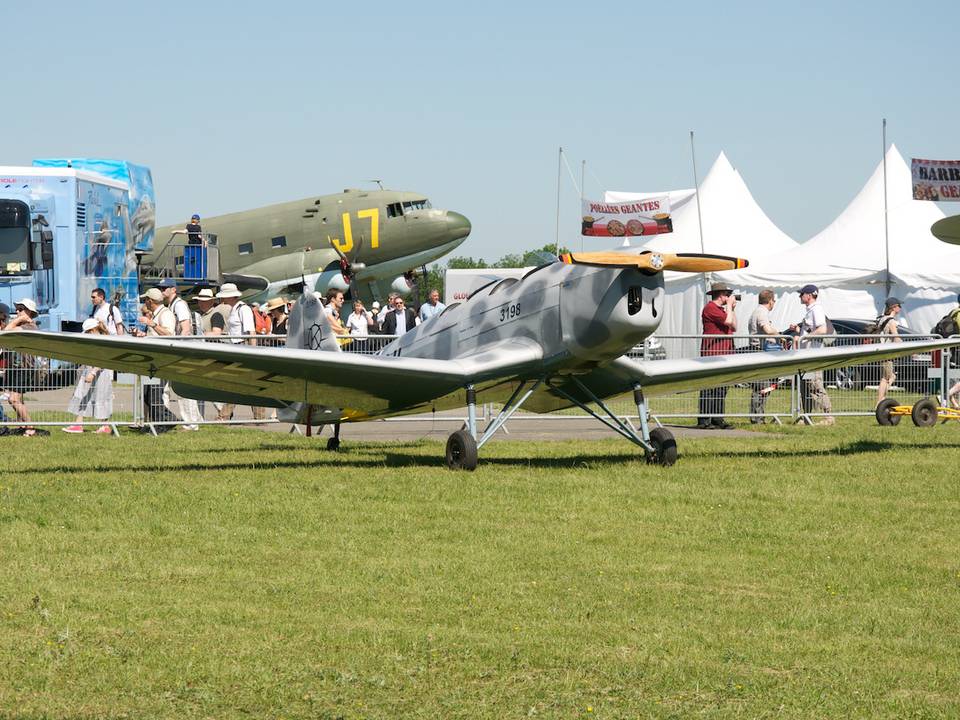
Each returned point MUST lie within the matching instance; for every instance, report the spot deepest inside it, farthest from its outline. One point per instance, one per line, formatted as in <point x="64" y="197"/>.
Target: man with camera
<point x="719" y="324"/>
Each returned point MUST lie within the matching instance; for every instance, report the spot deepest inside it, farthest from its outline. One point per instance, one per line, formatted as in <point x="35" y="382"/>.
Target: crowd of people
<point x="223" y="312"/>
<point x="164" y="313"/>
<point x="719" y="322"/>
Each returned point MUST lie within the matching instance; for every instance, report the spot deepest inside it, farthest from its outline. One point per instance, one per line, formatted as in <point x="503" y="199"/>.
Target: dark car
<point x="911" y="370"/>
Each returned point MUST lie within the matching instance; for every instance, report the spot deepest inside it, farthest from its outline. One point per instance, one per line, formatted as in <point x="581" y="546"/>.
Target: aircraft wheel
<point x="664" y="446"/>
<point x="924" y="413"/>
<point x="333" y="444"/>
<point x="461" y="451"/>
<point x="883" y="412"/>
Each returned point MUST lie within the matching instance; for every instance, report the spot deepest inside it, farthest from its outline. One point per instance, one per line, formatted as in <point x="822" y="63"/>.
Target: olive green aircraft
<point x="370" y="242"/>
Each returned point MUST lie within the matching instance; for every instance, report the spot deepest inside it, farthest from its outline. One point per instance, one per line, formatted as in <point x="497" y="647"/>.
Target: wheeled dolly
<point x="924" y="413"/>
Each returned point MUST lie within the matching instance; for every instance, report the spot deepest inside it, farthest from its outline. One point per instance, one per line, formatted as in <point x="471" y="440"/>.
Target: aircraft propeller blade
<point x="657" y="262"/>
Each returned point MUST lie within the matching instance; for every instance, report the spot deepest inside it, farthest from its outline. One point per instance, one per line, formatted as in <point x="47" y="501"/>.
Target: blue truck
<point x="69" y="225"/>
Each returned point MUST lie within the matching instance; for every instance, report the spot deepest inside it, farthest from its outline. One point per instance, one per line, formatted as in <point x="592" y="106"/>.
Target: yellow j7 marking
<point x="346" y="245"/>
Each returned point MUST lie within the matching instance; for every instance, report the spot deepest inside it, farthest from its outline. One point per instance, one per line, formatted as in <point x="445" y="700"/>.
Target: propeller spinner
<point x="657" y="262"/>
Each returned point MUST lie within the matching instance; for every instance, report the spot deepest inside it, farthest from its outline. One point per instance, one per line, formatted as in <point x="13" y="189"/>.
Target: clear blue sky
<point x="236" y="105"/>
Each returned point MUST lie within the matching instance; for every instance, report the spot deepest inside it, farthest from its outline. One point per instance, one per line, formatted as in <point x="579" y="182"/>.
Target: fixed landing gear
<point x="664" y="447"/>
<point x="461" y="451"/>
<point x="333" y="444"/>
<point x="658" y="444"/>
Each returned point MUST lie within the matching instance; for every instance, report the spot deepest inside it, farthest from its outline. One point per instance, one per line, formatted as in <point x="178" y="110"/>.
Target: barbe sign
<point x="936" y="179"/>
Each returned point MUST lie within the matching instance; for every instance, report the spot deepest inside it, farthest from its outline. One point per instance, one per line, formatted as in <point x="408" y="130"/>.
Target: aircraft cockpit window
<point x="411" y="205"/>
<point x="394" y="210"/>
<point x="448" y="308"/>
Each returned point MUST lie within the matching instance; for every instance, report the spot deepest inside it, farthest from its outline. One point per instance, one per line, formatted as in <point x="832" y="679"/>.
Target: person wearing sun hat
<point x="93" y="395"/>
<point x="276" y="308"/>
<point x="814" y="326"/>
<point x="195" y="253"/>
<point x="888" y="325"/>
<point x="21" y="379"/>
<point x="213" y="315"/>
<point x="719" y="324"/>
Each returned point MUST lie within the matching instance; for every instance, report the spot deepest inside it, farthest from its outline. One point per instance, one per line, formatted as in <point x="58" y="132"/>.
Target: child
<point x="93" y="396"/>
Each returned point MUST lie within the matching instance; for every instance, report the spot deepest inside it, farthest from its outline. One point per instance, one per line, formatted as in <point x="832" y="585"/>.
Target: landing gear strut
<point x="333" y="444"/>
<point x="658" y="444"/>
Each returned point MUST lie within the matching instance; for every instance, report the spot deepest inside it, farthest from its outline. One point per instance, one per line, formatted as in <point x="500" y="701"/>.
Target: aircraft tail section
<point x="308" y="327"/>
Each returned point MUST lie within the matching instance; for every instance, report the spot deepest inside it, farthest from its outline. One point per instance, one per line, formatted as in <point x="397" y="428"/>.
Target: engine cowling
<point x="401" y="285"/>
<point x="331" y="277"/>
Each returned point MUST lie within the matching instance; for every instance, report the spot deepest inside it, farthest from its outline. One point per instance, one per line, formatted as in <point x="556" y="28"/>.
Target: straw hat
<point x="275" y="304"/>
<point x="205" y="294"/>
<point x="90" y="324"/>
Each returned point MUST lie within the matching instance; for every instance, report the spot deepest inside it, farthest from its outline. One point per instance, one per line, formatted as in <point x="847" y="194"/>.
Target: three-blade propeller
<point x="656" y="261"/>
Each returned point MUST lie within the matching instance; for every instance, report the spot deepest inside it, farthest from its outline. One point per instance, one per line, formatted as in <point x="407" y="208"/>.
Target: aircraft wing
<point x="660" y="377"/>
<point x="365" y="385"/>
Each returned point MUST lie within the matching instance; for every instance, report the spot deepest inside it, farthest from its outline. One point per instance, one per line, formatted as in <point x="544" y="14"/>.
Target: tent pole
<point x="696" y="190"/>
<point x="886" y="222"/>
<point x="559" y="170"/>
<point x="583" y="170"/>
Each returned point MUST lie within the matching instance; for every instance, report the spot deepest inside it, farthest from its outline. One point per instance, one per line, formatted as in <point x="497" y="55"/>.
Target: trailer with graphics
<point x="69" y="225"/>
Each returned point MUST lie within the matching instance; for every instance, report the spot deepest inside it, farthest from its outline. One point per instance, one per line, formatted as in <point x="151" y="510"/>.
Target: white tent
<point x="733" y="224"/>
<point x="847" y="259"/>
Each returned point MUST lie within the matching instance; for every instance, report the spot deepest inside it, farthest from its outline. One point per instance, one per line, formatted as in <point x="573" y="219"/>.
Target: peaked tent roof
<point x="733" y="223"/>
<point x="851" y="249"/>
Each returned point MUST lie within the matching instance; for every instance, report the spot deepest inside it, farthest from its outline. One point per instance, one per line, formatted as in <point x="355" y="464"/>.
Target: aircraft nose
<point x="458" y="226"/>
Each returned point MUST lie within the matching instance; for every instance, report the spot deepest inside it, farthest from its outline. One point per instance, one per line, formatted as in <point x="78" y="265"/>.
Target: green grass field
<point x="804" y="572"/>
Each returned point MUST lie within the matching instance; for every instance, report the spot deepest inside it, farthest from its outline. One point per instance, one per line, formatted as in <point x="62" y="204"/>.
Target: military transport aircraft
<point x="346" y="240"/>
<point x="553" y="339"/>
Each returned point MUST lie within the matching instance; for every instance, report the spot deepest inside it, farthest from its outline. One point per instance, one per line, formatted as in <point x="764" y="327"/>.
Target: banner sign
<point x="627" y="219"/>
<point x="936" y="179"/>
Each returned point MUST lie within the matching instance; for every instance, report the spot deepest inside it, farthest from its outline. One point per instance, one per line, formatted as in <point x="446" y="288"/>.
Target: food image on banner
<point x="935" y="179"/>
<point x="627" y="219"/>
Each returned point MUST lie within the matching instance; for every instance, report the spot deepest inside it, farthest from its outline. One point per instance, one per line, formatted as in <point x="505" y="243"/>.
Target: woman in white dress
<point x="93" y="396"/>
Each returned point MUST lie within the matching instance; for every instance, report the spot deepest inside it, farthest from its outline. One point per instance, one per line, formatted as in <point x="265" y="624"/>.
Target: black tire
<point x="883" y="413"/>
<point x="664" y="447"/>
<point x="461" y="451"/>
<point x="333" y="444"/>
<point x="924" y="413"/>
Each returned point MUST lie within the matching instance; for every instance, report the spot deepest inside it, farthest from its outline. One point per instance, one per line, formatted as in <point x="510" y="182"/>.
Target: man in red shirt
<point x="719" y="324"/>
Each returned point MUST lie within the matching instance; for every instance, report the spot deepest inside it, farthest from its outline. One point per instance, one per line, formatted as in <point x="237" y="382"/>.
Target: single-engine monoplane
<point x="553" y="339"/>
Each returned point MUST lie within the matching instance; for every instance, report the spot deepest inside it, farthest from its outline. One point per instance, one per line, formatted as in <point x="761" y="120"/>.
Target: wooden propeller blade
<point x="657" y="262"/>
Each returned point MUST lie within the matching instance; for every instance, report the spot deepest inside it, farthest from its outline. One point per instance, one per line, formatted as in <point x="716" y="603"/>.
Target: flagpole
<point x="559" y="170"/>
<point x="886" y="220"/>
<point x="583" y="171"/>
<point x="696" y="189"/>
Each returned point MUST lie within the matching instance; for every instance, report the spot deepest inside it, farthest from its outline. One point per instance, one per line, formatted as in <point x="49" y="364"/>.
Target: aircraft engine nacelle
<point x="401" y="285"/>
<point x="331" y="277"/>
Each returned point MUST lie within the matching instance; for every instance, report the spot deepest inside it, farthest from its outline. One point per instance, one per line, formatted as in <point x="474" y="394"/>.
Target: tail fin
<point x="308" y="327"/>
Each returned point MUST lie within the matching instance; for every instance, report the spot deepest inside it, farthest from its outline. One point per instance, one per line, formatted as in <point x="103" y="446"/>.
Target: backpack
<point x="261" y="322"/>
<point x="947" y="325"/>
<point x="875" y="328"/>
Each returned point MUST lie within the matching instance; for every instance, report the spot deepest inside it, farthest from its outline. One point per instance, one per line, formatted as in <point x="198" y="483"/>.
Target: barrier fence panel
<point x="39" y="392"/>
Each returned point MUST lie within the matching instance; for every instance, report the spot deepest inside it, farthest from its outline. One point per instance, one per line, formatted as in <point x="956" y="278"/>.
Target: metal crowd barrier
<point x="46" y="389"/>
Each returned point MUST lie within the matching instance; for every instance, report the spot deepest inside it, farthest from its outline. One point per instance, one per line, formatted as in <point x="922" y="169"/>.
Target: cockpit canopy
<point x="408" y="206"/>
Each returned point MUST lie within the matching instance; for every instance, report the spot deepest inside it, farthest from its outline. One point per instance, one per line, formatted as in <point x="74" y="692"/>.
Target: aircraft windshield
<point x="405" y="208"/>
